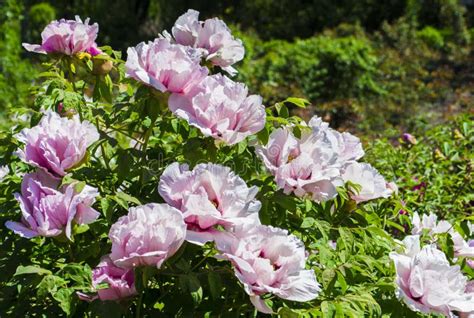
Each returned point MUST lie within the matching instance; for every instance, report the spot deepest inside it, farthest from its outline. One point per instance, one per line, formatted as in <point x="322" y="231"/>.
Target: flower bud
<point x="102" y="66"/>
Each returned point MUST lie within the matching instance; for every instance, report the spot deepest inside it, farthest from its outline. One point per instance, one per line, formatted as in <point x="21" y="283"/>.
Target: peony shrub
<point x="154" y="184"/>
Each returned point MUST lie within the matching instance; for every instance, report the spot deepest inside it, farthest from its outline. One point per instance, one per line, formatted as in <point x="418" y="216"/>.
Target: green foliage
<point x="435" y="174"/>
<point x="16" y="74"/>
<point x="348" y="244"/>
<point x="432" y="37"/>
<point x="317" y="68"/>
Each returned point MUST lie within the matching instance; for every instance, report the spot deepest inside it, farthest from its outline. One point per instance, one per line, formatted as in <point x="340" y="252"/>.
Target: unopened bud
<point x="102" y="66"/>
<point x="457" y="134"/>
<point x="438" y="154"/>
<point x="409" y="138"/>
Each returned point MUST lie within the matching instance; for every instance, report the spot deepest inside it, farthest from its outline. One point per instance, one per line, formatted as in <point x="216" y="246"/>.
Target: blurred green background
<point x="365" y="65"/>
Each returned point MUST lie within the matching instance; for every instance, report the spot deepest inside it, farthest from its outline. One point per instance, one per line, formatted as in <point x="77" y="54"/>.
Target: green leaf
<point x="327" y="308"/>
<point x="90" y="65"/>
<point x="31" y="269"/>
<point x="107" y="208"/>
<point x="215" y="284"/>
<point x="80" y="274"/>
<point x="78" y="229"/>
<point x="127" y="197"/>
<point x="242" y="146"/>
<point x="286" y="312"/>
<point x="194" y="288"/>
<point x="50" y="284"/>
<point x="283" y="112"/>
<point x="175" y="124"/>
<point x="342" y="281"/>
<point x="308" y="222"/>
<point x="329" y="277"/>
<point x="299" y="102"/>
<point x="64" y="297"/>
<point x="263" y="135"/>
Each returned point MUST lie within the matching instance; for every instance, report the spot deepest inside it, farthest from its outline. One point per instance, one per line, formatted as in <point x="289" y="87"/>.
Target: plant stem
<point x="139" y="305"/>
<point x="71" y="253"/>
<point x="202" y="260"/>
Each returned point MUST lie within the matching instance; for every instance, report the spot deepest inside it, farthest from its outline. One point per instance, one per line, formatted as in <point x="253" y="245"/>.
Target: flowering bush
<point x="157" y="185"/>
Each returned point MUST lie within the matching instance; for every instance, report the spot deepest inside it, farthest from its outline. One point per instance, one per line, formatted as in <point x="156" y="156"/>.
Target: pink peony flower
<point x="310" y="165"/>
<point x="373" y="184"/>
<point x="281" y="149"/>
<point x="48" y="211"/>
<point x="57" y="144"/>
<point x="164" y="66"/>
<point x="148" y="235"/>
<point x="393" y="187"/>
<point x="268" y="260"/>
<point x="212" y="36"/>
<point x="306" y="176"/>
<point x="347" y="147"/>
<point x="430" y="224"/>
<point x="301" y="166"/>
<point x="221" y="108"/>
<point x="428" y="283"/>
<point x="67" y="37"/>
<point x="186" y="28"/>
<point x="461" y="247"/>
<point x="208" y="196"/>
<point x="469" y="289"/>
<point x="121" y="281"/>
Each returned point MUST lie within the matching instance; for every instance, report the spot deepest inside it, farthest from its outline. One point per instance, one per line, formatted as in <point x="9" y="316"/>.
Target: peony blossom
<point x="313" y="164"/>
<point x="67" y="37"/>
<point x="221" y="108"/>
<point x="268" y="260"/>
<point x="186" y="28"/>
<point x="49" y="211"/>
<point x="373" y="184"/>
<point x="212" y="37"/>
<point x="306" y="176"/>
<point x="4" y="171"/>
<point x="164" y="66"/>
<point x="303" y="166"/>
<point x="148" y="235"/>
<point x="346" y="147"/>
<point x="430" y="224"/>
<point x="428" y="283"/>
<point x="461" y="247"/>
<point x="469" y="289"/>
<point x="208" y="196"/>
<point x="121" y="281"/>
<point x="57" y="144"/>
